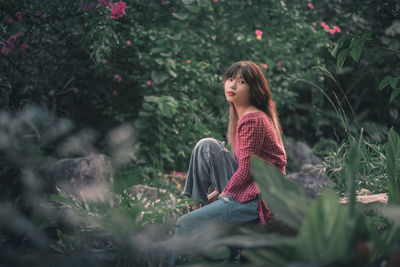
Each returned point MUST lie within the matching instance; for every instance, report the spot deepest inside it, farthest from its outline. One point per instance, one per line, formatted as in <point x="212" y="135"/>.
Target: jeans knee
<point x="208" y="143"/>
<point x="183" y="224"/>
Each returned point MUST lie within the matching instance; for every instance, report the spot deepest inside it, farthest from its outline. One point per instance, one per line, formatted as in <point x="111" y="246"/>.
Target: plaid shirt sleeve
<point x="248" y="142"/>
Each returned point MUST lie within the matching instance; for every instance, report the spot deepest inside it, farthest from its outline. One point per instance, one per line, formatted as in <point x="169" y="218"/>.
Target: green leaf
<point x="341" y="58"/>
<point x="158" y="76"/>
<point x="181" y="16"/>
<point x="326" y="234"/>
<point x="394" y="82"/>
<point x="157" y="50"/>
<point x="384" y="82"/>
<point x="394" y="94"/>
<point x="367" y="35"/>
<point x="173" y="73"/>
<point x="171" y="63"/>
<point x="339" y="44"/>
<point x="352" y="166"/>
<point x="356" y="47"/>
<point x="392" y="153"/>
<point x="287" y="200"/>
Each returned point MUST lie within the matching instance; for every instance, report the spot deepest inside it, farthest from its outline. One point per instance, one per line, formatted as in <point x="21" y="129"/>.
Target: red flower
<point x="310" y="6"/>
<point x="18" y="15"/>
<point x="118" y="78"/>
<point x="337" y="29"/>
<point x="118" y="10"/>
<point x="258" y="34"/>
<point x="23" y="47"/>
<point x="4" y="50"/>
<point x="38" y="13"/>
<point x="104" y="3"/>
<point x="264" y="65"/>
<point x="279" y="64"/>
<point x="10" y="44"/>
<point x="8" y="20"/>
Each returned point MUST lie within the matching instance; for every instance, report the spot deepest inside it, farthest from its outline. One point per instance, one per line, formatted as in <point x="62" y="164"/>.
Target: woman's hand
<point x="222" y="194"/>
<point x="212" y="196"/>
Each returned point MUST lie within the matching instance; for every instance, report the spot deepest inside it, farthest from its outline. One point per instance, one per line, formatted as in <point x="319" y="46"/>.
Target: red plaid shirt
<point x="255" y="135"/>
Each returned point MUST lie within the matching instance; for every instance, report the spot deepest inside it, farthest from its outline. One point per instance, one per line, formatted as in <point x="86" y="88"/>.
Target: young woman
<point x="253" y="130"/>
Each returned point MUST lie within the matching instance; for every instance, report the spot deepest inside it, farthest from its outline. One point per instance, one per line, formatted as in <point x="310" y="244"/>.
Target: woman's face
<point x="237" y="91"/>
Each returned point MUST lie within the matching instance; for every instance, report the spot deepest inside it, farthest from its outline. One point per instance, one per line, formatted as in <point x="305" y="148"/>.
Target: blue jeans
<point x="212" y="163"/>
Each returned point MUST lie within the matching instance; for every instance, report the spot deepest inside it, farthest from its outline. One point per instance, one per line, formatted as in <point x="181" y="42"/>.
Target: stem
<point x="381" y="47"/>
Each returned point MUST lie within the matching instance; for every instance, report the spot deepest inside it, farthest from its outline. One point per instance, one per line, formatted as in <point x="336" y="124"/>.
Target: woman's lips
<point x="231" y="93"/>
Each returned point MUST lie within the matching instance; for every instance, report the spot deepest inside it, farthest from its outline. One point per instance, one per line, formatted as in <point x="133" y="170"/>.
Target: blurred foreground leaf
<point x="287" y="200"/>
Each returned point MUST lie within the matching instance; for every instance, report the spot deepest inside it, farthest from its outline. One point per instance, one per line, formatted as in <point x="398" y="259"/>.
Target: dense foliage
<point x="141" y="82"/>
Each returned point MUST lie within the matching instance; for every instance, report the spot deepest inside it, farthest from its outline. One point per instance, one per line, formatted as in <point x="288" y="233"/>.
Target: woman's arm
<point x="249" y="142"/>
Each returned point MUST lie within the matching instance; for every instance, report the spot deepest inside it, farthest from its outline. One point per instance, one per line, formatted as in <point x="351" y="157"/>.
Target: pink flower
<point x="188" y="61"/>
<point x="332" y="31"/>
<point x="118" y="78"/>
<point x="118" y="10"/>
<point x="337" y="29"/>
<point x="8" y="20"/>
<point x="314" y="24"/>
<point x="323" y="24"/>
<point x="38" y="13"/>
<point x="258" y="34"/>
<point x="310" y="6"/>
<point x="128" y="43"/>
<point x="279" y="64"/>
<point x="149" y="82"/>
<point x="264" y="65"/>
<point x="10" y="43"/>
<point x="215" y="1"/>
<point x="114" y="93"/>
<point x="4" y="50"/>
<point x="18" y="15"/>
<point x="104" y="3"/>
<point x="23" y="47"/>
<point x="88" y="7"/>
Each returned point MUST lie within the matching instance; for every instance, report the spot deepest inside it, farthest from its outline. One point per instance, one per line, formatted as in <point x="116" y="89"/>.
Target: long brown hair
<point x="260" y="97"/>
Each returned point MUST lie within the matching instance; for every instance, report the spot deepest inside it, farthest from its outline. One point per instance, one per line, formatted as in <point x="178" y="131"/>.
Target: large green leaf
<point x="158" y="76"/>
<point x="385" y="82"/>
<point x="339" y="44"/>
<point x="394" y="82"/>
<point x="341" y="58"/>
<point x="392" y="152"/>
<point x="352" y="166"/>
<point x="287" y="200"/>
<point x="326" y="232"/>
<point x="394" y="94"/>
<point x="356" y="47"/>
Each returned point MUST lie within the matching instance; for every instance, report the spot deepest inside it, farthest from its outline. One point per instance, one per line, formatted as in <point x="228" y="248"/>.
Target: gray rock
<point x="312" y="179"/>
<point x="303" y="167"/>
<point x="299" y="154"/>
<point x="142" y="190"/>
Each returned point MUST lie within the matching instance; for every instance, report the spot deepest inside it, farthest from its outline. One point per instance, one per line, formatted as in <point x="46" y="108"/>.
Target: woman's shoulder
<point x="256" y="116"/>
